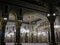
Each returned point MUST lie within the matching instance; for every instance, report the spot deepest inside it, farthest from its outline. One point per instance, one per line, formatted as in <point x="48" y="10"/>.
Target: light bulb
<point x="48" y="15"/>
<point x="54" y="14"/>
<point x="5" y="18"/>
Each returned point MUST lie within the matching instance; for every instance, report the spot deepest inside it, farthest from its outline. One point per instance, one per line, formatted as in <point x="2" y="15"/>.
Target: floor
<point x="28" y="44"/>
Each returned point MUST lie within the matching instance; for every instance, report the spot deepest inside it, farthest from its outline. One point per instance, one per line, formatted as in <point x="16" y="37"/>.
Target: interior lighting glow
<point x="56" y="26"/>
<point x="44" y="34"/>
<point x="39" y="33"/>
<point x="48" y="15"/>
<point x="54" y="14"/>
<point x="24" y="30"/>
<point x="5" y="18"/>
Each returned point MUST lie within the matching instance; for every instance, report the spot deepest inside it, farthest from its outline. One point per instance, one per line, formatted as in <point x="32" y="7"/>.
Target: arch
<point x="12" y="15"/>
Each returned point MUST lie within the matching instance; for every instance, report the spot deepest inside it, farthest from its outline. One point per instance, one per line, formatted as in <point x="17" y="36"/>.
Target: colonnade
<point x="3" y="20"/>
<point x="18" y="22"/>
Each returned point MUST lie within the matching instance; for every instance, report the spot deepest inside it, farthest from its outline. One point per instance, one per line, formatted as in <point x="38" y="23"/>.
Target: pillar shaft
<point x="48" y="36"/>
<point x="51" y="19"/>
<point x="3" y="35"/>
<point x="52" y="34"/>
<point x="4" y="9"/>
<point x="57" y="38"/>
<point x="17" y="35"/>
<point x="18" y="28"/>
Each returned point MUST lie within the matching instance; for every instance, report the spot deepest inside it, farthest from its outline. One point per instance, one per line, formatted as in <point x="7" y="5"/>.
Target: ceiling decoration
<point x="44" y="2"/>
<point x="36" y="2"/>
<point x="33" y="16"/>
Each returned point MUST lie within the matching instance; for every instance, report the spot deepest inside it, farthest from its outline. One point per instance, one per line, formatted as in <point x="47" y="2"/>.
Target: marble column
<point x="3" y="22"/>
<point x="51" y="17"/>
<point x="18" y="27"/>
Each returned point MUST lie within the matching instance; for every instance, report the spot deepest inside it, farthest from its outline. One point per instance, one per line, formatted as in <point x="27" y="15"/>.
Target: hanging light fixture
<point x="5" y="18"/>
<point x="54" y="14"/>
<point x="48" y="15"/>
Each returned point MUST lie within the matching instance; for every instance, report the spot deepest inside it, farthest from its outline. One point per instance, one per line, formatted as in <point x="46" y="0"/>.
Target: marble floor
<point x="28" y="44"/>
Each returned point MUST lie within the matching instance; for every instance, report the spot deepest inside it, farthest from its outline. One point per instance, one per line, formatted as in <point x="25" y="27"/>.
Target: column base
<point x="18" y="44"/>
<point x="2" y="43"/>
<point x="53" y="44"/>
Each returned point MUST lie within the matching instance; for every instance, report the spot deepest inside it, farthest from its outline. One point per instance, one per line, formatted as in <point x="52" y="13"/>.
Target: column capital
<point x="51" y="18"/>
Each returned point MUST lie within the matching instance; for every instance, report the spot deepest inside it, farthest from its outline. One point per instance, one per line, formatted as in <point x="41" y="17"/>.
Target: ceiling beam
<point x="25" y="5"/>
